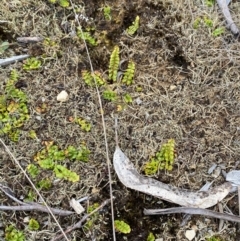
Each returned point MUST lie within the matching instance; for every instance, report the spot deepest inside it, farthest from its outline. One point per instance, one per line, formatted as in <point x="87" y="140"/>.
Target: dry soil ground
<point x="190" y="92"/>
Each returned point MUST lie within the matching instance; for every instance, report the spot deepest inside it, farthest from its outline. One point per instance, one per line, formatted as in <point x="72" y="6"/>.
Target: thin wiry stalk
<point x="35" y="189"/>
<point x="103" y="122"/>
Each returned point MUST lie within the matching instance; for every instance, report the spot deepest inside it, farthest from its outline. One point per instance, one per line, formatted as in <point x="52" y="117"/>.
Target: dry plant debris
<point x="186" y="87"/>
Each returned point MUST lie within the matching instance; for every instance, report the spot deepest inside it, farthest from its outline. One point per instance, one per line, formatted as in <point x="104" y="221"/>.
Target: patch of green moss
<point x="13" y="109"/>
<point x="13" y="234"/>
<point x="163" y="159"/>
<point x="214" y="238"/>
<point x="50" y="159"/>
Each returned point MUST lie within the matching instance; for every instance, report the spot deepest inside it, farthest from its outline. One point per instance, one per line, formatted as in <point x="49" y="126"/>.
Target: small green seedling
<point x="127" y="98"/>
<point x="64" y="3"/>
<point x="129" y="73"/>
<point x="214" y="238"/>
<point x="44" y="184"/>
<point x="32" y="170"/>
<point x="32" y="134"/>
<point x="87" y="37"/>
<point x="88" y="78"/>
<point x="3" y="47"/>
<point x="122" y="227"/>
<point x="32" y="64"/>
<point x="13" y="109"/>
<point x="63" y="173"/>
<point x="139" y="88"/>
<point x="110" y="95"/>
<point x="78" y="154"/>
<point x="51" y="48"/>
<point x="49" y="42"/>
<point x="134" y="27"/>
<point x="218" y="31"/>
<point x="210" y="3"/>
<point x="33" y="224"/>
<point x="99" y="78"/>
<point x="91" y="208"/>
<point x="93" y="218"/>
<point x="107" y="12"/>
<point x="163" y="159"/>
<point x="12" y="234"/>
<point x="196" y="23"/>
<point x="30" y="197"/>
<point x="150" y="237"/>
<point x="114" y="64"/>
<point x="208" y="22"/>
<point x="85" y="126"/>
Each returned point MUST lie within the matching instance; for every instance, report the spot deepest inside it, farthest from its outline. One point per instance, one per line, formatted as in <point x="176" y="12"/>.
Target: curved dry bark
<point x="225" y="10"/>
<point x="129" y="176"/>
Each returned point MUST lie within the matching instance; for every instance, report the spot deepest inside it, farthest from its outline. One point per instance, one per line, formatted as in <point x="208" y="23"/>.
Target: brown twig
<point x="80" y="223"/>
<point x="196" y="211"/>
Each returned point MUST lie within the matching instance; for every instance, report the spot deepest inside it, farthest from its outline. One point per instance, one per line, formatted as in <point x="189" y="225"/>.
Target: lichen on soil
<point x="190" y="93"/>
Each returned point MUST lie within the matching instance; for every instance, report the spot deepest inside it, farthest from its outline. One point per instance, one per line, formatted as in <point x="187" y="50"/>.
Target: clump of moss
<point x="50" y="158"/>
<point x="13" y="109"/>
<point x="13" y="234"/>
<point x="163" y="159"/>
<point x="214" y="238"/>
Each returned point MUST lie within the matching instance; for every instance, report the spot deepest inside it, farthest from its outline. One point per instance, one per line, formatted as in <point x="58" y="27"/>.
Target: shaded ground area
<point x="190" y="92"/>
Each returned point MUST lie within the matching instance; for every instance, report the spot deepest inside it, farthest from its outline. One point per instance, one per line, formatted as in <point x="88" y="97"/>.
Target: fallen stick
<point x="36" y="207"/>
<point x="196" y="211"/>
<point x="29" y="206"/>
<point x="11" y="60"/>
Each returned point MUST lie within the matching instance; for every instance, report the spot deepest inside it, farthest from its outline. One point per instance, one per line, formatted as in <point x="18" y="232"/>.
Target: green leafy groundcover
<point x="50" y="158"/>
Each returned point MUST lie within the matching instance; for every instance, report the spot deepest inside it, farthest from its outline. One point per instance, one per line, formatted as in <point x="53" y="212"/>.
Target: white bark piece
<point x="234" y="177"/>
<point x="190" y="234"/>
<point x="62" y="96"/>
<point x="78" y="208"/>
<point x="223" y="4"/>
<point x="129" y="176"/>
<point x="13" y="59"/>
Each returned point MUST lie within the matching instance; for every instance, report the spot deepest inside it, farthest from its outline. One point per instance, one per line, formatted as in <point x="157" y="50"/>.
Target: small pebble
<point x="62" y="96"/>
<point x="38" y="117"/>
<point x="26" y="219"/>
<point x="138" y="101"/>
<point x="190" y="234"/>
<point x="172" y="87"/>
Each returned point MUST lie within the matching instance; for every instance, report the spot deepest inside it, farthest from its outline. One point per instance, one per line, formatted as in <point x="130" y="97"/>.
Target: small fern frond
<point x="129" y="74"/>
<point x="114" y="63"/>
<point x="134" y="27"/>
